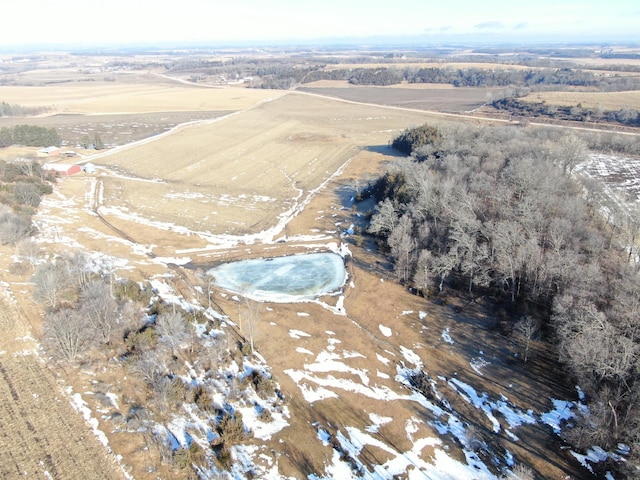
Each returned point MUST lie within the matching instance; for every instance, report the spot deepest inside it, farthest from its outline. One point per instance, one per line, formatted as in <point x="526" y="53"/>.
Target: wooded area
<point x="29" y="136"/>
<point x="496" y="211"/>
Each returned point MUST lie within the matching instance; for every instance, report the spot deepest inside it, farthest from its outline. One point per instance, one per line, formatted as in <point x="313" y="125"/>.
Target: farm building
<point x="48" y="152"/>
<point x="62" y="169"/>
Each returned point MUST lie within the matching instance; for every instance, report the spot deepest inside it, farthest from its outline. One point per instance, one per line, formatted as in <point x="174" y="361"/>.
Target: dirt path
<point x="42" y="436"/>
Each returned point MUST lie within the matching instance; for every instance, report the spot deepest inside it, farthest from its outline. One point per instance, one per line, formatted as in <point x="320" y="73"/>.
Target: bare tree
<point x="66" y="333"/>
<point x="99" y="308"/>
<point x="251" y="312"/>
<point x="423" y="272"/>
<point x="385" y="218"/>
<point x="521" y="472"/>
<point x="29" y="250"/>
<point x="172" y="329"/>
<point x="571" y="151"/>
<point x="78" y="266"/>
<point x="403" y="245"/>
<point x="27" y="194"/>
<point x="51" y="282"/>
<point x="13" y="227"/>
<point x="527" y="328"/>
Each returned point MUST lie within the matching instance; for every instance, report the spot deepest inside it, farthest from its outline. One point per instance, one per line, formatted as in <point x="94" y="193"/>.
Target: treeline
<point x="29" y="136"/>
<point x="538" y="79"/>
<point x="624" y="116"/>
<point x="13" y="110"/>
<point x="494" y="210"/>
<point x="288" y="72"/>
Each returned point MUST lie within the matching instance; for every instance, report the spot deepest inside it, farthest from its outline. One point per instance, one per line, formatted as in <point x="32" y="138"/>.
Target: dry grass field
<point x="604" y="100"/>
<point x="151" y="93"/>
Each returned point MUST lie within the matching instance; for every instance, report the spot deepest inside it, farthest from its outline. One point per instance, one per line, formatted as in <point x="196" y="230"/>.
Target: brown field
<point x="604" y="100"/>
<point x="461" y="99"/>
<point x="403" y="85"/>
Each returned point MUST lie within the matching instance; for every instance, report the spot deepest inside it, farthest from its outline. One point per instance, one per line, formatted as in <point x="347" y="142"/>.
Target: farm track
<point x="42" y="436"/>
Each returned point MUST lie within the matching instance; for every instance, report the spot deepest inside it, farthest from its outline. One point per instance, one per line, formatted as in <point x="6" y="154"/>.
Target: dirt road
<point x="42" y="436"/>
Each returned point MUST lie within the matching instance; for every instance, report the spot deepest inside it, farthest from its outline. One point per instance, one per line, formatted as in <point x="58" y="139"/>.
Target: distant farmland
<point x="439" y="99"/>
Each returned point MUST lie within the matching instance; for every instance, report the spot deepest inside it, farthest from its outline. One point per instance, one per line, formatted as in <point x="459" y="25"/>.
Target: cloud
<point x="491" y="24"/>
<point x="521" y="25"/>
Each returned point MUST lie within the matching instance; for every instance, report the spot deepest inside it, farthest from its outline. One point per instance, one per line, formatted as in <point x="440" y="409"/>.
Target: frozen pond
<point x="282" y="279"/>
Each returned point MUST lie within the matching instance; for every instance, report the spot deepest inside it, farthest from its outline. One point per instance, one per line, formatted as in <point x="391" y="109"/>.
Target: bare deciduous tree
<point x="99" y="308"/>
<point x="66" y="333"/>
<point x="27" y="194"/>
<point x="251" y="310"/>
<point x="521" y="472"/>
<point x="527" y="328"/>
<point x="29" y="250"/>
<point x="172" y="329"/>
<point x="385" y="218"/>
<point x="78" y="266"/>
<point x="571" y="151"/>
<point x="13" y="227"/>
<point x="423" y="273"/>
<point x="51" y="281"/>
<point x="403" y="245"/>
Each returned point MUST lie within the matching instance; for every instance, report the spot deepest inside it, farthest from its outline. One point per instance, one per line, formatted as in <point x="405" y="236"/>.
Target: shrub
<point x="231" y="428"/>
<point x="133" y="290"/>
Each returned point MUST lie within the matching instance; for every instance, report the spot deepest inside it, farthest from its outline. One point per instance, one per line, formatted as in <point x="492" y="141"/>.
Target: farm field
<point x="245" y="173"/>
<point x="605" y="100"/>
<point x="151" y="93"/>
<point x="439" y="99"/>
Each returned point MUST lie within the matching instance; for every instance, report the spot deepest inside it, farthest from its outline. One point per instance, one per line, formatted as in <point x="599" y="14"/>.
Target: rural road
<point x="42" y="436"/>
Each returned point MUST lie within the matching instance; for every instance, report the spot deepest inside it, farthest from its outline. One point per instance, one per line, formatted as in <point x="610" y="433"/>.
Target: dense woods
<point x="29" y="136"/>
<point x="495" y="211"/>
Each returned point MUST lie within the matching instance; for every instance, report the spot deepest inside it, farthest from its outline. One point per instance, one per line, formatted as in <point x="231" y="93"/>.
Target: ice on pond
<point x="282" y="279"/>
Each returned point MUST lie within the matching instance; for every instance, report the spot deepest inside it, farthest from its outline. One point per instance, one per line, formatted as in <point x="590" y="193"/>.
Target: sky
<point x="130" y="22"/>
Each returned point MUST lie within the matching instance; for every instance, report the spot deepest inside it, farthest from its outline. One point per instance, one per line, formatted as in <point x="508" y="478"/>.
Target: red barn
<point x="62" y="169"/>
